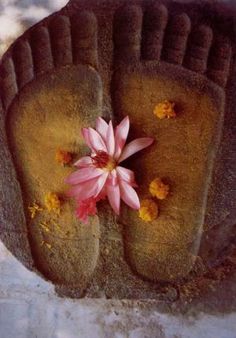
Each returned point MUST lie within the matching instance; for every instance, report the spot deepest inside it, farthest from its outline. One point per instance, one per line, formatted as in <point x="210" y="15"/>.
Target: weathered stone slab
<point x="109" y="58"/>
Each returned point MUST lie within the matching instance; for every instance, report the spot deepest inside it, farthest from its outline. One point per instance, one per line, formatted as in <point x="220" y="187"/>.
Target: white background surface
<point x="29" y="307"/>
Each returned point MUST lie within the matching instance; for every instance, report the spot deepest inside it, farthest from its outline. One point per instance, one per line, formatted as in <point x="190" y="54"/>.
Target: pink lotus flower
<point x="100" y="174"/>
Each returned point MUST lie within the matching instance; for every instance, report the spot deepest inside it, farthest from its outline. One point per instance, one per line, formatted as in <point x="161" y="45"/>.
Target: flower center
<point x="104" y="161"/>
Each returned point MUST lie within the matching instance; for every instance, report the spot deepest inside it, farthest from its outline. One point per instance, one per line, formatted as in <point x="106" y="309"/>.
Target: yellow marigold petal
<point x="63" y="157"/>
<point x="165" y="109"/>
<point x="159" y="189"/>
<point x="52" y="202"/>
<point x="48" y="245"/>
<point x="148" y="211"/>
<point x="33" y="209"/>
<point x="45" y="226"/>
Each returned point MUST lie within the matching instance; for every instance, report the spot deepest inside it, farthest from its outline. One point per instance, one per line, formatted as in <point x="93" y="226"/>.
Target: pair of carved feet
<point x="75" y="66"/>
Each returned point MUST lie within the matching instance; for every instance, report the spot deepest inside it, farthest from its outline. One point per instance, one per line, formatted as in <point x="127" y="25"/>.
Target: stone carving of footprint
<point x="52" y="70"/>
<point x="161" y="57"/>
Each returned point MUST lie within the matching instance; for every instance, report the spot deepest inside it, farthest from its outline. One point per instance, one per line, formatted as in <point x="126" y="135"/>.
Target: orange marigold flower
<point x="148" y="211"/>
<point x="52" y="202"/>
<point x="165" y="109"/>
<point x="159" y="189"/>
<point x="63" y="157"/>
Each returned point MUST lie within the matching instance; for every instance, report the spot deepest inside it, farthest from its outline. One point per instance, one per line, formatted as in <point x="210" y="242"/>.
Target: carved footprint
<point x="159" y="58"/>
<point x="52" y="69"/>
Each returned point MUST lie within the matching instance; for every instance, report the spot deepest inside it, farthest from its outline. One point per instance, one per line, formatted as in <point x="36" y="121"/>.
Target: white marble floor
<point x="29" y="308"/>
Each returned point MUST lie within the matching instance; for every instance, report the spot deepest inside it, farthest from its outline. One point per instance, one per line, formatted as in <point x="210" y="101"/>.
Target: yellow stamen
<point x="104" y="161"/>
<point x="63" y="157"/>
<point x="148" y="211"/>
<point x="165" y="109"/>
<point x="110" y="165"/>
<point x="34" y="209"/>
<point x="52" y="202"/>
<point x="159" y="189"/>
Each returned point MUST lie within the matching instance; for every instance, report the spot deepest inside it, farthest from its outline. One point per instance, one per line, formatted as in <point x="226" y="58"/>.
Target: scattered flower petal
<point x="34" y="209"/>
<point x="45" y="226"/>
